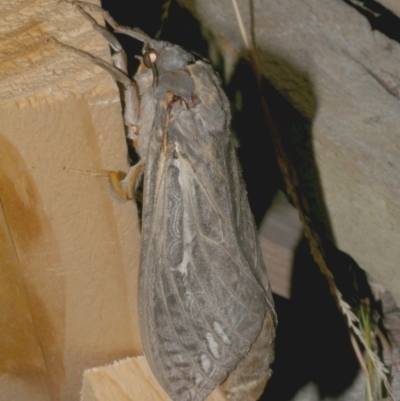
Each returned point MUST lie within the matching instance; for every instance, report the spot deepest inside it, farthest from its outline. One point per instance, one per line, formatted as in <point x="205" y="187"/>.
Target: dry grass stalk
<point x="375" y="371"/>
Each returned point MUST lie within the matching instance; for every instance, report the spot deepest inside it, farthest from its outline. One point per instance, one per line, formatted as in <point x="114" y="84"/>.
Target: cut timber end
<point x="127" y="380"/>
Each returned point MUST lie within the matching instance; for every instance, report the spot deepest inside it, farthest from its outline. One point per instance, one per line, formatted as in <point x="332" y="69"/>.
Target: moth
<point x="206" y="311"/>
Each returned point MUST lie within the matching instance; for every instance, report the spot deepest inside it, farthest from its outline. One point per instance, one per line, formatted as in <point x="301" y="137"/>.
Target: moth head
<point x="159" y="56"/>
<point x="164" y="57"/>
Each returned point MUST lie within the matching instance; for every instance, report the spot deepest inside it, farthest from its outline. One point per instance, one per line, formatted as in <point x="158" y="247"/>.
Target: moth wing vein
<point x="248" y="273"/>
<point x="219" y="277"/>
<point x="201" y="341"/>
<point x="212" y="202"/>
<point x="173" y="328"/>
<point x="217" y="312"/>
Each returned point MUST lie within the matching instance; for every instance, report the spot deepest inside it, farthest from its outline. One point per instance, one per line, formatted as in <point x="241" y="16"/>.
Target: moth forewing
<point x="205" y="307"/>
<point x="203" y="289"/>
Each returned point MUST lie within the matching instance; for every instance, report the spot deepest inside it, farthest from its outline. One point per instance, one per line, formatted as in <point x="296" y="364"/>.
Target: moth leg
<point x="131" y="115"/>
<point x="119" y="57"/>
<point x="94" y="7"/>
<point x="132" y="179"/>
<point x="119" y="75"/>
<point x="125" y="188"/>
<point x="134" y="32"/>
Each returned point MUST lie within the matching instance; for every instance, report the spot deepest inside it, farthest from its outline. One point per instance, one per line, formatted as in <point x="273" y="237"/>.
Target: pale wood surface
<point x="69" y="247"/>
<point x="127" y="380"/>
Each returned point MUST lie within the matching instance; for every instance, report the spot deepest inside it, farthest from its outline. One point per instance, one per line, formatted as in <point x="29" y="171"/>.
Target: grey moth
<point x="206" y="311"/>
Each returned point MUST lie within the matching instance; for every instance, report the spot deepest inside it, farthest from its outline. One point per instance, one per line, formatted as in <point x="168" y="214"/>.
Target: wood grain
<point x="70" y="248"/>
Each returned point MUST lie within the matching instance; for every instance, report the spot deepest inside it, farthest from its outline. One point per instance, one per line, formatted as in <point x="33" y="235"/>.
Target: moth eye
<point x="149" y="57"/>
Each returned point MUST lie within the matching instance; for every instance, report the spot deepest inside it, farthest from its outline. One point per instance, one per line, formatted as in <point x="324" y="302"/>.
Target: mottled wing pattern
<point x="203" y="289"/>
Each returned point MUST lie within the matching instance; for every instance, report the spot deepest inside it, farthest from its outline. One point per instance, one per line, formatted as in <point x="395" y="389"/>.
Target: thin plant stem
<point x="361" y="330"/>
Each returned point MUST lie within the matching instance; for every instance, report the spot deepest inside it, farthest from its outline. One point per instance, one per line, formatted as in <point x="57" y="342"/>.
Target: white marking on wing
<point x="205" y="363"/>
<point x="221" y="333"/>
<point x="213" y="345"/>
<point x="182" y="267"/>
